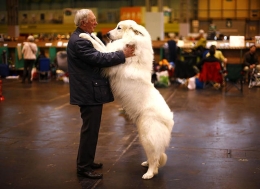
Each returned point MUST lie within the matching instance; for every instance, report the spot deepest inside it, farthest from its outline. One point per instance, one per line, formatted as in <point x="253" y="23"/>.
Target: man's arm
<point x="246" y="58"/>
<point x="87" y="53"/>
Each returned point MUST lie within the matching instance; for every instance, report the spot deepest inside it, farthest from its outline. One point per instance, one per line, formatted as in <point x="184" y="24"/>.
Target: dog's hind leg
<point x="153" y="163"/>
<point x="152" y="170"/>
<point x="153" y="154"/>
<point x="154" y="137"/>
<point x="162" y="161"/>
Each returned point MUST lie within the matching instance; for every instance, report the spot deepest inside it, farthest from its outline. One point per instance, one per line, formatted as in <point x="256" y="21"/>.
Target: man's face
<point x="90" y="24"/>
<point x="252" y="49"/>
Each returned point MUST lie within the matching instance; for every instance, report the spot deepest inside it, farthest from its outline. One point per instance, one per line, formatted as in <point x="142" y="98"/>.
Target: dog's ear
<point x="136" y="32"/>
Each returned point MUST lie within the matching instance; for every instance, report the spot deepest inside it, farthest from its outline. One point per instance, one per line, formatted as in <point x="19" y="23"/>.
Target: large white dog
<point x="132" y="87"/>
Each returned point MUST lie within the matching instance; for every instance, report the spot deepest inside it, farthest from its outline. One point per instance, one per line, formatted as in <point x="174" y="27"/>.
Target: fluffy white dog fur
<point x="132" y="87"/>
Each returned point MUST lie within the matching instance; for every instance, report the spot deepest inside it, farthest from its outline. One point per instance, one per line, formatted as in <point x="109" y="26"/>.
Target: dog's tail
<point x="163" y="160"/>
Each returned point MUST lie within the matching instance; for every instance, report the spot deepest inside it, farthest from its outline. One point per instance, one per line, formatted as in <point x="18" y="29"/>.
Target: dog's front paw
<point x="84" y="35"/>
<point x="148" y="176"/>
<point x="145" y="164"/>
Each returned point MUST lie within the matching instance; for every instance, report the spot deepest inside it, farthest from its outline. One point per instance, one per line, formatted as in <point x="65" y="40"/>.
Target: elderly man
<point x="88" y="88"/>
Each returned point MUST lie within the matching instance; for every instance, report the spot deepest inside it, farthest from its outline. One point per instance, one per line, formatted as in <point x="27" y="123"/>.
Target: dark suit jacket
<point x="250" y="59"/>
<point x="208" y="59"/>
<point x="87" y="85"/>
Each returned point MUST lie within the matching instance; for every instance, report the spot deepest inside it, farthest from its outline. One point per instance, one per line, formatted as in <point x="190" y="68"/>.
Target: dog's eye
<point x="119" y="28"/>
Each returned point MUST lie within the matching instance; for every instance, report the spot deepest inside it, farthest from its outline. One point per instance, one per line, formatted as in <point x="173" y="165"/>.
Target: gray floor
<point x="215" y="141"/>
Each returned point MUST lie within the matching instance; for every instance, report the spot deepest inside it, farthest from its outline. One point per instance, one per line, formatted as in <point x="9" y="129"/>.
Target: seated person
<point x="37" y="64"/>
<point x="41" y="55"/>
<point x="218" y="54"/>
<point x="251" y="60"/>
<point x="210" y="58"/>
<point x="213" y="59"/>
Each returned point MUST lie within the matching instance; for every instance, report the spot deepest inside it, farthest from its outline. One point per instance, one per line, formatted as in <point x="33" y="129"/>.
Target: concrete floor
<point x="215" y="141"/>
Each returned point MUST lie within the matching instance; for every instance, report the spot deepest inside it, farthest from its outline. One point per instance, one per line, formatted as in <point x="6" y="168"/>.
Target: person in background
<point x="201" y="40"/>
<point x="29" y="52"/>
<point x="37" y="64"/>
<point x="218" y="54"/>
<point x="200" y="45"/>
<point x="41" y="55"/>
<point x="210" y="58"/>
<point x="89" y="89"/>
<point x="251" y="60"/>
<point x="171" y="49"/>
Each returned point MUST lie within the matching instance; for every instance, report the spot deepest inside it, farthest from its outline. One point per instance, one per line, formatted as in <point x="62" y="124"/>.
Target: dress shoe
<point x="90" y="174"/>
<point x="96" y="165"/>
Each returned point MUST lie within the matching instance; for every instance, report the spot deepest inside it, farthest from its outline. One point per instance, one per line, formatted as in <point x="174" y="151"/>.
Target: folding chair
<point x="254" y="76"/>
<point x="44" y="70"/>
<point x="234" y="77"/>
<point x="211" y="74"/>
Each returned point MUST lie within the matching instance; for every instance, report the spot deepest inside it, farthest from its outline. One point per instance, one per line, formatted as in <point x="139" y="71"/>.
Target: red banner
<point x="131" y="13"/>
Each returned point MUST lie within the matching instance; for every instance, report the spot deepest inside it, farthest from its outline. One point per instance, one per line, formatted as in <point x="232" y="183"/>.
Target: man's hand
<point x="129" y="50"/>
<point x="252" y="66"/>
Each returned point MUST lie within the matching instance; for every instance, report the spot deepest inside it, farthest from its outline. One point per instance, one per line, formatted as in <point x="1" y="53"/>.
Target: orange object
<point x="131" y="13"/>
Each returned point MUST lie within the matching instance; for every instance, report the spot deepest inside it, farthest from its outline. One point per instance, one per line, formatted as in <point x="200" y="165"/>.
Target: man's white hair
<point x="80" y="15"/>
<point x="30" y="38"/>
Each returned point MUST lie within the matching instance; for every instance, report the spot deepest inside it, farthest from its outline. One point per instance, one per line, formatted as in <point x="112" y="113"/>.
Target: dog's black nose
<point x="108" y="34"/>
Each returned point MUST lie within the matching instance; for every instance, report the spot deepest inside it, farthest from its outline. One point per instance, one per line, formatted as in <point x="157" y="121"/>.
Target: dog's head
<point x="123" y="27"/>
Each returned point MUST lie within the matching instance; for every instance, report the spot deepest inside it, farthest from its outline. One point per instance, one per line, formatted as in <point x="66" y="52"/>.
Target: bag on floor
<point x="199" y="84"/>
<point x="191" y="83"/>
<point x="162" y="79"/>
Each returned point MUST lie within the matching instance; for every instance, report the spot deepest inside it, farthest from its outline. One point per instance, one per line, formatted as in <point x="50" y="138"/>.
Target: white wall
<point x="154" y="23"/>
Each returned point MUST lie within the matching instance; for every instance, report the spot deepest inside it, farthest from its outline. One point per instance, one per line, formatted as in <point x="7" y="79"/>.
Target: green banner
<point x="52" y="53"/>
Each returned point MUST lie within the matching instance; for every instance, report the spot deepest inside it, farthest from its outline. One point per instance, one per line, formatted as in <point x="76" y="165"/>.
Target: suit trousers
<point x="91" y="117"/>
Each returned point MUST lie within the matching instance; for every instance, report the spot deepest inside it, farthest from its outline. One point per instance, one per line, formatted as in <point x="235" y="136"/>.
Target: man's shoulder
<point x="247" y="53"/>
<point x="74" y="38"/>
